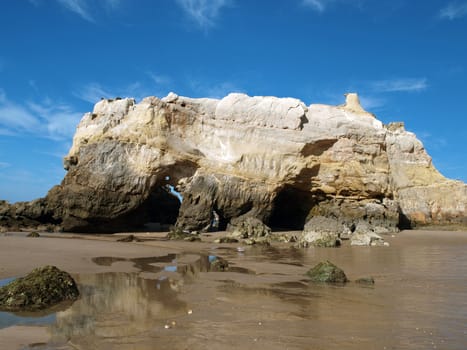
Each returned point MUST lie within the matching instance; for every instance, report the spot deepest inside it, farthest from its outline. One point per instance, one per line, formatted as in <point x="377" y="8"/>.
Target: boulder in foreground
<point x="327" y="272"/>
<point x="40" y="289"/>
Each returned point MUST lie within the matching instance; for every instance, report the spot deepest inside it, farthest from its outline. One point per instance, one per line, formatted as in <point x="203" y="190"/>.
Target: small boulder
<point x="33" y="234"/>
<point x="192" y="238"/>
<point x="365" y="236"/>
<point x="327" y="272"/>
<point x="249" y="227"/>
<point x="129" y="238"/>
<point x="40" y="289"/>
<point x="178" y="234"/>
<point x="367" y="281"/>
<point x="226" y="240"/>
<point x="321" y="231"/>
<point x="261" y="242"/>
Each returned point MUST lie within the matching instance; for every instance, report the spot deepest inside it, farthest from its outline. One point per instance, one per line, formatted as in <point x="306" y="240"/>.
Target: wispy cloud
<point x="322" y="5"/>
<point x="317" y="5"/>
<point x="436" y="143"/>
<point x="214" y="90"/>
<point x="79" y="7"/>
<point x="86" y="9"/>
<point x="160" y="80"/>
<point x="4" y="165"/>
<point x="403" y="84"/>
<point x="203" y="12"/>
<point x="371" y="103"/>
<point x="43" y="119"/>
<point x="453" y="11"/>
<point x="93" y="92"/>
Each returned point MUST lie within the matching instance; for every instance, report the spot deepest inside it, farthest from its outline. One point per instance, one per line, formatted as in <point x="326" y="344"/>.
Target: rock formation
<point x="274" y="159"/>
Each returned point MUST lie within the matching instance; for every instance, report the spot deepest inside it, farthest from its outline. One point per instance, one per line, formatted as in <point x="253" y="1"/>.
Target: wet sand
<point x="171" y="299"/>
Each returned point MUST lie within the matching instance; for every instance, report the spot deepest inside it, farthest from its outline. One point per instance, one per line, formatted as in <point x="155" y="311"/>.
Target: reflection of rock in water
<point x="114" y="305"/>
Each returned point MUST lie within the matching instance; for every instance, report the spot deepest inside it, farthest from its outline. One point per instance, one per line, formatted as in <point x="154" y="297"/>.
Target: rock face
<point x="274" y="159"/>
<point x="40" y="289"/>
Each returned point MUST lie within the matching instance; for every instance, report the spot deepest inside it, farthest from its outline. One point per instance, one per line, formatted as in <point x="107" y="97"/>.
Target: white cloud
<point x="453" y="11"/>
<point x="371" y="102"/>
<point x="111" y="4"/>
<point x="86" y="9"/>
<point x="35" y="2"/>
<point x="160" y="79"/>
<point x="427" y="138"/>
<point x="80" y="7"/>
<point x="4" y="165"/>
<point x="16" y="117"/>
<point x="43" y="119"/>
<point x="322" y="5"/>
<point x="203" y="12"/>
<point x="318" y="5"/>
<point x="404" y="84"/>
<point x="93" y="93"/>
<point x="214" y="90"/>
<point x="60" y="119"/>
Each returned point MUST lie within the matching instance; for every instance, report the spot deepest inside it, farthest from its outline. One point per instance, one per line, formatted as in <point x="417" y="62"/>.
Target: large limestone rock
<point x="274" y="159"/>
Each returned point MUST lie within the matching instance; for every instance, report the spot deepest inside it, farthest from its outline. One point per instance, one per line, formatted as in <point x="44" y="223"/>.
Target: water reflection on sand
<point x="419" y="301"/>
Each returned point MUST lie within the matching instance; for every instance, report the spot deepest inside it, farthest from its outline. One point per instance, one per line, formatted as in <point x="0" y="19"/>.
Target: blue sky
<point x="406" y="58"/>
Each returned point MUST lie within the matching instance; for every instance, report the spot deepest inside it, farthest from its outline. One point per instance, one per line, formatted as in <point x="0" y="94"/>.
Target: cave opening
<point x="162" y="207"/>
<point x="291" y="208"/>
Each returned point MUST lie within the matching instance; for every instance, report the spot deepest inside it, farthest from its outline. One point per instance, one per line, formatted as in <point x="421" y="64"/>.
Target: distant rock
<point x="226" y="240"/>
<point x="129" y="238"/>
<point x="364" y="235"/>
<point x="33" y="234"/>
<point x="367" y="281"/>
<point x="321" y="231"/>
<point x="327" y="272"/>
<point x="249" y="228"/>
<point x="40" y="289"/>
<point x="274" y="159"/>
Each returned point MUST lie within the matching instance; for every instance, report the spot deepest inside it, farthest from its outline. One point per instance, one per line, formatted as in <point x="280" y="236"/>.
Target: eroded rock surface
<point x="274" y="159"/>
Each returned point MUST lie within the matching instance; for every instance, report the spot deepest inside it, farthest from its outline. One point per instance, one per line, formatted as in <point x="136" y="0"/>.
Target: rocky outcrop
<point x="274" y="159"/>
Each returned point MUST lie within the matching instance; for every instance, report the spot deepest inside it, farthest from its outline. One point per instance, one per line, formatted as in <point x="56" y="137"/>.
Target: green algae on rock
<point x="327" y="272"/>
<point x="43" y="287"/>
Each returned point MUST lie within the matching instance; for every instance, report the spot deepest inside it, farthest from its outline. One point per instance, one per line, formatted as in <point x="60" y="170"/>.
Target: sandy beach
<point x="138" y="294"/>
